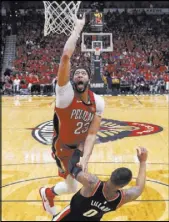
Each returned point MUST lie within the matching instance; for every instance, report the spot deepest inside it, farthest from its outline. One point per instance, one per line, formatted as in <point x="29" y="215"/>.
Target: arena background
<point x="133" y="79"/>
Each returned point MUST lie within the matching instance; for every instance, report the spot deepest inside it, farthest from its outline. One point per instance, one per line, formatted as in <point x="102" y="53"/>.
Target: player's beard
<point x="79" y="89"/>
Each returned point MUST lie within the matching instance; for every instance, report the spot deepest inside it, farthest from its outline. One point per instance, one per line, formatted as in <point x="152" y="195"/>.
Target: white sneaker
<point x="48" y="200"/>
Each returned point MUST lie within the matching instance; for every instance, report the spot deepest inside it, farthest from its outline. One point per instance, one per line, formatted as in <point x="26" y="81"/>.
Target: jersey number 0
<point x="90" y="213"/>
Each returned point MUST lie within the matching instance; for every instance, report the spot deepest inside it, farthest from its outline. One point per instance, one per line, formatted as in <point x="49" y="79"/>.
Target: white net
<point x="97" y="51"/>
<point x="59" y="16"/>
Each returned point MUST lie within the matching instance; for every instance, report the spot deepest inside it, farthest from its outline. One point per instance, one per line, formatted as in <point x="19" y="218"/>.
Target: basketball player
<point x="97" y="197"/>
<point x="77" y="120"/>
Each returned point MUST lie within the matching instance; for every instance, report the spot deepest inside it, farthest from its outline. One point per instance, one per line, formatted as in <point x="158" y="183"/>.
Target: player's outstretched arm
<point x="64" y="67"/>
<point x="134" y="192"/>
<point x="90" y="141"/>
<point x="87" y="179"/>
<point x="92" y="133"/>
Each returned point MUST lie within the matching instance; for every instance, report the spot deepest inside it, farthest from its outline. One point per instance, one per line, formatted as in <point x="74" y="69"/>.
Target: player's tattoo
<point x="87" y="179"/>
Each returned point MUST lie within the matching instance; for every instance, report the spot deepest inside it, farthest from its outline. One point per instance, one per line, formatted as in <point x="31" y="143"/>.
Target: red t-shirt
<point x="30" y="80"/>
<point x="24" y="86"/>
<point x="148" y="76"/>
<point x="162" y="68"/>
<point x="166" y="77"/>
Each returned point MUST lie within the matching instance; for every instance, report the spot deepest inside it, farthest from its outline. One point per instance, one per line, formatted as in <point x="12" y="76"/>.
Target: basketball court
<point x="128" y="122"/>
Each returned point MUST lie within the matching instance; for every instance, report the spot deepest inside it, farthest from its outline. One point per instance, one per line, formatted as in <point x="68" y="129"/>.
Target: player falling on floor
<point x="76" y="121"/>
<point x="96" y="197"/>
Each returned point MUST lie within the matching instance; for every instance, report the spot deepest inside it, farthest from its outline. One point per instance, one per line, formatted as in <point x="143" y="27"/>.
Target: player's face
<point x="81" y="80"/>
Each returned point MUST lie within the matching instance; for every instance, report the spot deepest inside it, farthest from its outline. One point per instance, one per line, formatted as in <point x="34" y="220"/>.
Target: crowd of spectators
<point x="99" y="4"/>
<point x="140" y="53"/>
<point x="146" y="36"/>
<point x="128" y="4"/>
<point x="140" y="48"/>
<point x="5" y="31"/>
<point x="37" y="57"/>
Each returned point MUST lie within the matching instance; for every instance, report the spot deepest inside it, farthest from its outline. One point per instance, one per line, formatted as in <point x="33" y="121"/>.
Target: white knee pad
<point x="68" y="186"/>
<point x="61" y="188"/>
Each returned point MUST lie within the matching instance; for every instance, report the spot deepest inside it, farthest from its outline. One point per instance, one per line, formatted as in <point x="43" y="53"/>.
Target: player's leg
<point x="68" y="186"/>
<point x="55" y="133"/>
<point x="55" y="138"/>
<point x="62" y="156"/>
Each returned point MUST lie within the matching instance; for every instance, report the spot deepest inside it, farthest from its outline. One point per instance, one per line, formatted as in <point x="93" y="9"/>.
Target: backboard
<point x="90" y="41"/>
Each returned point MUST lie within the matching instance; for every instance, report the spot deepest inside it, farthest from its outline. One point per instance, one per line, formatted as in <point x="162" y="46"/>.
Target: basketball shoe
<point x="47" y="197"/>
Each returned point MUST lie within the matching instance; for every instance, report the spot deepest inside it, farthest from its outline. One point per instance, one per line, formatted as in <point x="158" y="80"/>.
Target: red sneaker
<point x="48" y="200"/>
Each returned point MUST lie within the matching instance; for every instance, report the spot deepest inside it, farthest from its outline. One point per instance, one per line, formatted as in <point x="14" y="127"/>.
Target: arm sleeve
<point x="64" y="95"/>
<point x="100" y="104"/>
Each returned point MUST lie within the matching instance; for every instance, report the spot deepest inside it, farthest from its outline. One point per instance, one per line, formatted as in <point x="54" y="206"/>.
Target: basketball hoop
<point x="97" y="51"/>
<point x="59" y="16"/>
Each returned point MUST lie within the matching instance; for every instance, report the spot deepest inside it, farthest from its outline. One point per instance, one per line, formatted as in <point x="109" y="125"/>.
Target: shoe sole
<point x="42" y="197"/>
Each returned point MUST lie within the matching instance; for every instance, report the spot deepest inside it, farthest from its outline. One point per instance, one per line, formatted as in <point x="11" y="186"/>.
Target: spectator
<point x="8" y="87"/>
<point x="16" y="84"/>
<point x="54" y="82"/>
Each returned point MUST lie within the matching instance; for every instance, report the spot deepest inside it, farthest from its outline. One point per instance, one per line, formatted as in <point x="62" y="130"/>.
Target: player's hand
<point x="79" y="23"/>
<point x="83" y="164"/>
<point x="142" y="154"/>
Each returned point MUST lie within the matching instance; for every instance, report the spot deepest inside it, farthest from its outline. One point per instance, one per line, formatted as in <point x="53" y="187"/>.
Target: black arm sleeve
<point x="73" y="169"/>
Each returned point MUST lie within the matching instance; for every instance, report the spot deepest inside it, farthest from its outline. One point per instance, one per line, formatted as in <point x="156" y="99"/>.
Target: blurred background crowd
<point x="138" y="63"/>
